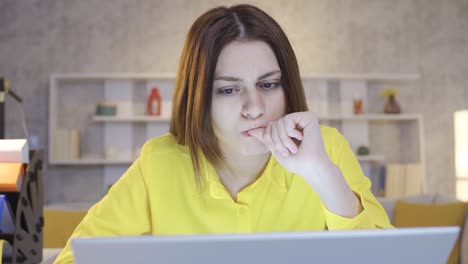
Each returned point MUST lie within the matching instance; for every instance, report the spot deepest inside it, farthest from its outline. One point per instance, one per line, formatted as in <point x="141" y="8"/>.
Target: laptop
<point x="405" y="245"/>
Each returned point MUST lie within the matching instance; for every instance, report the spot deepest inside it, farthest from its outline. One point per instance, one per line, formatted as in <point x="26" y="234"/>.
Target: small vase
<point x="392" y="107"/>
<point x="357" y="106"/>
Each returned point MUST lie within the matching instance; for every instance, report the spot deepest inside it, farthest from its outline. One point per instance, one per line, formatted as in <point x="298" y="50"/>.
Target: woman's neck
<point x="239" y="171"/>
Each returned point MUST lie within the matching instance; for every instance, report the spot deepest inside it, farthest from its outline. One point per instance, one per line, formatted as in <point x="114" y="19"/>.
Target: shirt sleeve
<point x="373" y="214"/>
<point x="123" y="211"/>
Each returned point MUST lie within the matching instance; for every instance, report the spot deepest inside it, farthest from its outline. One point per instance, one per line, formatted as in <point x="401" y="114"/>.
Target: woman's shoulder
<point x="163" y="160"/>
<point x="164" y="146"/>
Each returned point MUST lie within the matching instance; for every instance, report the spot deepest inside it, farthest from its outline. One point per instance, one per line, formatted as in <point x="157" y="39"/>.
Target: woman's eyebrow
<point x="268" y="74"/>
<point x="228" y="78"/>
<point x="235" y="79"/>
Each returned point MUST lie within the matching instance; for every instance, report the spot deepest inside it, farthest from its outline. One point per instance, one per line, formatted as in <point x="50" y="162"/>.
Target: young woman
<point x="243" y="153"/>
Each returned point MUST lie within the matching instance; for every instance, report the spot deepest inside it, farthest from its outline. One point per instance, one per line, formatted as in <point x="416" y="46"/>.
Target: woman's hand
<point x="296" y="142"/>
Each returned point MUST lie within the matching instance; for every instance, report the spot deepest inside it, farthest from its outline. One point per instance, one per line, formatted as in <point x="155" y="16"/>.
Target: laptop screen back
<point x="406" y="245"/>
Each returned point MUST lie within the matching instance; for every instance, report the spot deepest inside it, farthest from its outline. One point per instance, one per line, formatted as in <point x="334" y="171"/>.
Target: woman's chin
<point x="254" y="149"/>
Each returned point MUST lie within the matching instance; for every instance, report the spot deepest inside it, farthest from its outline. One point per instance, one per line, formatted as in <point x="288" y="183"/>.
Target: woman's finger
<point x="278" y="144"/>
<point x="257" y="133"/>
<point x="267" y="137"/>
<point x="284" y="137"/>
<point x="291" y="128"/>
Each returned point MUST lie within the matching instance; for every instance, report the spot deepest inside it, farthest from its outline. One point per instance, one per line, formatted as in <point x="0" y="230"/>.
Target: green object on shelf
<point x="106" y="109"/>
<point x="363" y="150"/>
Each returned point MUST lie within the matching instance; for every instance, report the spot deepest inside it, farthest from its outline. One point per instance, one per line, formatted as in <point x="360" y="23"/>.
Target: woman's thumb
<point x="257" y="133"/>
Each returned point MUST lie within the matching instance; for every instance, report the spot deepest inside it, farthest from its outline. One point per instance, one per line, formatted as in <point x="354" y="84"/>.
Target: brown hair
<point x="191" y="111"/>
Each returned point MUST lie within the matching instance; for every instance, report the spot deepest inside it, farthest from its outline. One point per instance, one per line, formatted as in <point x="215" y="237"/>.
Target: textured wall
<point x="429" y="37"/>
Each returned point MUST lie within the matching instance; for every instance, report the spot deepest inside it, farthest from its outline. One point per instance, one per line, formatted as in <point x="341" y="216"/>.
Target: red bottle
<point x="154" y="102"/>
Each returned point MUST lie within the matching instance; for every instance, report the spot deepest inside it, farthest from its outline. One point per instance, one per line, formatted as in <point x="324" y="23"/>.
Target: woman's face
<point x="247" y="94"/>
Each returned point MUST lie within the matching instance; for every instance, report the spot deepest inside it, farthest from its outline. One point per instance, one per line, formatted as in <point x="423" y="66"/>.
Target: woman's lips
<point x="246" y="132"/>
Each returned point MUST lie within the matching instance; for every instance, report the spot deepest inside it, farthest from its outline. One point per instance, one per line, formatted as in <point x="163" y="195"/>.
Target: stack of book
<point x="67" y="144"/>
<point x="376" y="174"/>
<point x="14" y="157"/>
<point x="403" y="179"/>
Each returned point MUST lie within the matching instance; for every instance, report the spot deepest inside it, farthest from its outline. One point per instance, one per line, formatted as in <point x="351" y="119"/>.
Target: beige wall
<point x="429" y="37"/>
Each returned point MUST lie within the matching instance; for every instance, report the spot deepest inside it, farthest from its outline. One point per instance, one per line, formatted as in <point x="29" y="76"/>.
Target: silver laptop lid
<point x="405" y="245"/>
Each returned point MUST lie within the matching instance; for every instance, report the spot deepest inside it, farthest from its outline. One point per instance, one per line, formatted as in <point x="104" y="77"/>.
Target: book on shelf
<point x="11" y="176"/>
<point x="67" y="144"/>
<point x="377" y="178"/>
<point x="74" y="149"/>
<point x="8" y="221"/>
<point x="14" y="150"/>
<point x="382" y="177"/>
<point x="403" y="179"/>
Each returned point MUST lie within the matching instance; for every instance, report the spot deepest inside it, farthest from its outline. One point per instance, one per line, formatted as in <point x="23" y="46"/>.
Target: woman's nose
<point x="254" y="106"/>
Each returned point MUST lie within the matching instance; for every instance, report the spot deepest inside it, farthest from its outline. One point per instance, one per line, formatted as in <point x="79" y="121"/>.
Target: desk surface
<point x="49" y="255"/>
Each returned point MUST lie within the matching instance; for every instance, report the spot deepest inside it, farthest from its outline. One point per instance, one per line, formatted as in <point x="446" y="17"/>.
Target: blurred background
<point x="425" y="39"/>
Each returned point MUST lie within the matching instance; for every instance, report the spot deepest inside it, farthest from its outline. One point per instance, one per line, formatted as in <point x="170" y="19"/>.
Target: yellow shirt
<point x="158" y="195"/>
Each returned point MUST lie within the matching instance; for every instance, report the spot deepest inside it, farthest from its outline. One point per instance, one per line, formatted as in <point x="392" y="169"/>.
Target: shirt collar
<point x="272" y="173"/>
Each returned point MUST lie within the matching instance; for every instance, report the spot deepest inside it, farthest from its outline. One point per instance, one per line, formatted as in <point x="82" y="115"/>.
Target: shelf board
<point x="364" y="76"/>
<point x="372" y="117"/>
<point x="112" y="76"/>
<point x="142" y="118"/>
<point x="370" y="157"/>
<point x="87" y="162"/>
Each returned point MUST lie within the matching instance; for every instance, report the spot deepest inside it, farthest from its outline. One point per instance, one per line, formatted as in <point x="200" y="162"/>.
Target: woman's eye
<point x="269" y="85"/>
<point x="228" y="91"/>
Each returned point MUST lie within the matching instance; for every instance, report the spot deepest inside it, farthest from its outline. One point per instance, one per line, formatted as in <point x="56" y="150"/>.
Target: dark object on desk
<point x="28" y="204"/>
<point x="4" y="91"/>
<point x="27" y="240"/>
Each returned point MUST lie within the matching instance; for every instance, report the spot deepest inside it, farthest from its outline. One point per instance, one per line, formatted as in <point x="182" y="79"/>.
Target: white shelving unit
<point x="322" y="89"/>
<point x="75" y="96"/>
<point x="363" y="77"/>
<point x="372" y="117"/>
<point x="112" y="142"/>
<point x="136" y="119"/>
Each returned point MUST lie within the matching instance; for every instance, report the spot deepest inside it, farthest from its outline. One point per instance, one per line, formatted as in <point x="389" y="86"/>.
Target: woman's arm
<point x="123" y="211"/>
<point x="325" y="160"/>
<point x="371" y="213"/>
